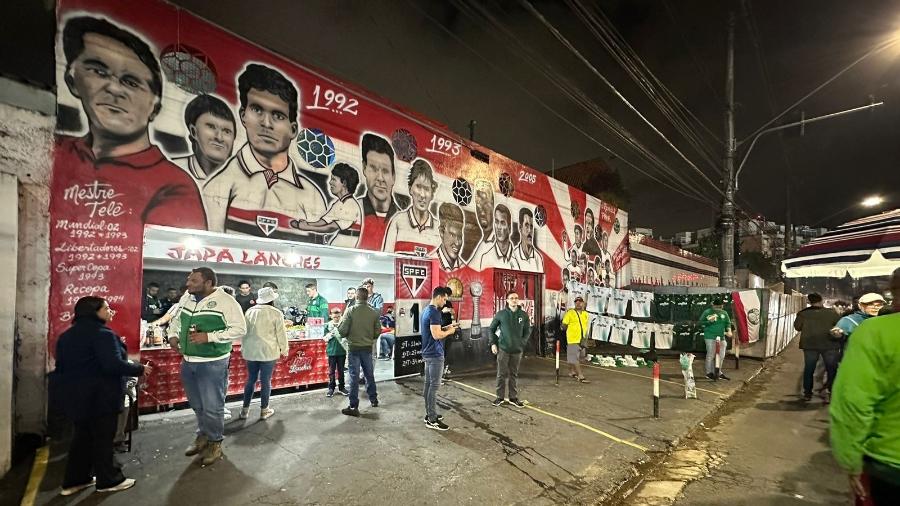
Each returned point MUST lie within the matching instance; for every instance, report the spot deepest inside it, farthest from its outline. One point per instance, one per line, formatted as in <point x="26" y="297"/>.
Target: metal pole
<point x="726" y="265"/>
<point x="557" y="362"/>
<point x="656" y="390"/>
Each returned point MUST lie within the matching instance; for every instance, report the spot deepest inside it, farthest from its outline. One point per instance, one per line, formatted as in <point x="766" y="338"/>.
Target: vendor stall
<point x="169" y="256"/>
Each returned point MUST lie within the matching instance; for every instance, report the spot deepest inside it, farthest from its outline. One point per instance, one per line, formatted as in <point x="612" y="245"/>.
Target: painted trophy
<point x="476" y="290"/>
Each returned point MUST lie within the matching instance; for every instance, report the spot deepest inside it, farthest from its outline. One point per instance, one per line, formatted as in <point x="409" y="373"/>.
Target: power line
<point x="535" y="60"/>
<point x="573" y="50"/>
<point x="547" y="107"/>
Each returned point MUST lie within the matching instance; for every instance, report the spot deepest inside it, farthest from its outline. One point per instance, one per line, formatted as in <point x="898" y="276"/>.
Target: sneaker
<point x="78" y="488"/>
<point x="330" y="393"/>
<point x="374" y="403"/>
<point x="125" y="485"/>
<point x="437" y="425"/>
<point x="350" y="411"/>
<point x="211" y="453"/>
<point x="227" y="415"/>
<point x="197" y="446"/>
<point x="711" y="376"/>
<point x="266" y="413"/>
<point x="517" y="403"/>
<point x="723" y="377"/>
<point x="439" y="418"/>
<point x="498" y="402"/>
<point x="245" y="412"/>
<point x="343" y="391"/>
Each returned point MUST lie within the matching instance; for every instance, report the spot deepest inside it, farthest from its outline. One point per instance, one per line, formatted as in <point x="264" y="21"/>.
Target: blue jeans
<point x="810" y="357"/>
<point x="361" y="359"/>
<point x="263" y="370"/>
<point x="387" y="344"/>
<point x="434" y="369"/>
<point x="204" y="384"/>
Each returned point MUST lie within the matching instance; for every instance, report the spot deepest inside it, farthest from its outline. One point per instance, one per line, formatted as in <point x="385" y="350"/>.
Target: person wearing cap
<point x="715" y="323"/>
<point x="575" y="325"/>
<point x="865" y="408"/>
<point x="816" y="340"/>
<point x="869" y="305"/>
<point x="265" y="342"/>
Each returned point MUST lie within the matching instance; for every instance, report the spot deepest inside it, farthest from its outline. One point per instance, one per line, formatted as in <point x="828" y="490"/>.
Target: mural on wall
<point x="175" y="122"/>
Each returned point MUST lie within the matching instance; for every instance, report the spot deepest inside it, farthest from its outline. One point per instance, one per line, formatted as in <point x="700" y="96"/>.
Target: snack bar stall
<point x="169" y="256"/>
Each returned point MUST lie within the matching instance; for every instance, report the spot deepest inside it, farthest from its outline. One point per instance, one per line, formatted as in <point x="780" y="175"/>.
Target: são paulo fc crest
<point x="267" y="224"/>
<point x="414" y="277"/>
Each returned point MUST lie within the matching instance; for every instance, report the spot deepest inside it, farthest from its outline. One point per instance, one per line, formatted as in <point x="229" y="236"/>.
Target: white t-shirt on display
<point x="663" y="334"/>
<point x="640" y="338"/>
<point x="618" y="303"/>
<point x="620" y="330"/>
<point x="601" y="327"/>
<point x="640" y="306"/>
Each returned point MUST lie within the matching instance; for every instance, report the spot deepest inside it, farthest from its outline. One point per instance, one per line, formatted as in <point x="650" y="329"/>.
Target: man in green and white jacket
<point x="203" y="332"/>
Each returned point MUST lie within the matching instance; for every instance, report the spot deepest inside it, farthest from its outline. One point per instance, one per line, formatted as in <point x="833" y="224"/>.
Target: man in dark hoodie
<point x="508" y="346"/>
<point x="814" y="324"/>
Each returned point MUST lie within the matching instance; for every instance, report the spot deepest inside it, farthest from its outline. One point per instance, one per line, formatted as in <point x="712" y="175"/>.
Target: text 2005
<point x="527" y="177"/>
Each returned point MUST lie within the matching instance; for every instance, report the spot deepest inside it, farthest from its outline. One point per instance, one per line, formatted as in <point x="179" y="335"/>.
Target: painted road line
<point x="607" y="369"/>
<point x="558" y="417"/>
<point x="38" y="469"/>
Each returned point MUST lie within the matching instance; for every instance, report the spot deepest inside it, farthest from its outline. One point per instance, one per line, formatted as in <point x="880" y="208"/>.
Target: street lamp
<point x="874" y="200"/>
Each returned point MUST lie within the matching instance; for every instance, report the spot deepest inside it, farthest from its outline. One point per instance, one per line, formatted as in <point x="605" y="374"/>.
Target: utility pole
<point x="726" y="264"/>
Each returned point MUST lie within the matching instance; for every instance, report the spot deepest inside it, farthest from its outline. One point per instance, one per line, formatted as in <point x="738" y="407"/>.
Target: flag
<point x="747" y="315"/>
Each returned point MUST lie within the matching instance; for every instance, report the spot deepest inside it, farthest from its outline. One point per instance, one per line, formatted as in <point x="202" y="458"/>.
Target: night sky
<point x="448" y="61"/>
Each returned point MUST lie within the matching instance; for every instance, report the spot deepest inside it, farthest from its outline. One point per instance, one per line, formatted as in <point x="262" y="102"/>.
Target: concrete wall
<point x="8" y="244"/>
<point x="26" y="127"/>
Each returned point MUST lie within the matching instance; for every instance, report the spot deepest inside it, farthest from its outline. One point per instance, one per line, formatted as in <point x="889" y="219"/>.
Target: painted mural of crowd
<point x="587" y="256"/>
<point x="256" y="188"/>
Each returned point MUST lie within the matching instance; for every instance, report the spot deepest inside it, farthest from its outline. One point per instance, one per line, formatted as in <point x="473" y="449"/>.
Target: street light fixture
<point x="874" y="200"/>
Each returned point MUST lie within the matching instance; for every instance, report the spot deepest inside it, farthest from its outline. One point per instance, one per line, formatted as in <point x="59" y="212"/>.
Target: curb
<point x="38" y="470"/>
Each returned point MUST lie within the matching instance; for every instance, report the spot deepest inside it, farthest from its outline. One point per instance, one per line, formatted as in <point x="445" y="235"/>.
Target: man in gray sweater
<point x="361" y="326"/>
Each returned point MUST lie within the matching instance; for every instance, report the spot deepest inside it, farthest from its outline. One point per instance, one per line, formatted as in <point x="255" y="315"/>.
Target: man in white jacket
<point x="203" y="332"/>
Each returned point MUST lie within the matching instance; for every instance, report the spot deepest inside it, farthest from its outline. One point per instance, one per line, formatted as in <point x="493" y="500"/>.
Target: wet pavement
<point x="575" y="443"/>
<point x="765" y="447"/>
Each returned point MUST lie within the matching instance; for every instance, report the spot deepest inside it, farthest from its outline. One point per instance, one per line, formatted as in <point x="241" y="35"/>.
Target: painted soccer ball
<point x="506" y="184"/>
<point x="316" y="148"/>
<point x="540" y="215"/>
<point x="404" y="144"/>
<point x="462" y="191"/>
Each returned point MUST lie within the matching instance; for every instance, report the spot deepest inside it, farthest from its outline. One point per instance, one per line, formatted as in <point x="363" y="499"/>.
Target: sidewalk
<point x="574" y="443"/>
<point x="767" y="447"/>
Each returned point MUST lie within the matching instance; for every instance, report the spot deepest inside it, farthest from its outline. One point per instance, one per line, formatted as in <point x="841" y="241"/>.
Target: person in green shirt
<point x="316" y="306"/>
<point x="514" y="330"/>
<point x="865" y="406"/>
<point x="715" y="323"/>
<point x="336" y="353"/>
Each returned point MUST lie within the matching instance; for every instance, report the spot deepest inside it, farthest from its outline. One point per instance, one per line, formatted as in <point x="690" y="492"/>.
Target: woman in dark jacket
<point x="91" y="367"/>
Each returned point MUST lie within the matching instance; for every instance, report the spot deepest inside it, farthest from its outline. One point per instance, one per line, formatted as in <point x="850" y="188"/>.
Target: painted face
<point x="214" y="137"/>
<point x="105" y="312"/>
<point x="578" y="237"/>
<point x="501" y="226"/>
<point x="451" y="238"/>
<point x="266" y="119"/>
<point x="245" y="289"/>
<point x="422" y="193"/>
<point x="513" y="300"/>
<point x="195" y="284"/>
<point x="527" y="228"/>
<point x="484" y="206"/>
<point x="379" y="172"/>
<point x="114" y="87"/>
<point x="589" y="224"/>
<point x="336" y="186"/>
